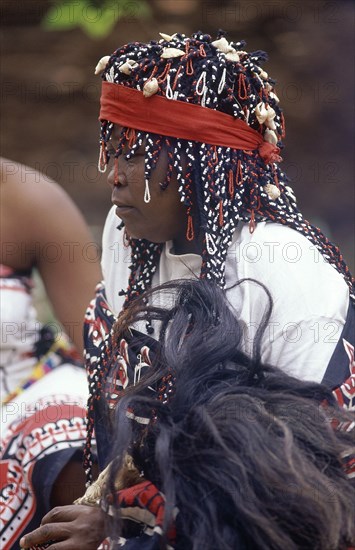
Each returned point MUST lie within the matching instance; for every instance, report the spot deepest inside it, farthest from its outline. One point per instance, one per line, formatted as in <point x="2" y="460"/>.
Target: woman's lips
<point x="122" y="209"/>
<point x="121" y="202"/>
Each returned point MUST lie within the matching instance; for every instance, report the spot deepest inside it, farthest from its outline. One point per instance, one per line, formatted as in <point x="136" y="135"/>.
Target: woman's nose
<point x="111" y="177"/>
<point x="115" y="175"/>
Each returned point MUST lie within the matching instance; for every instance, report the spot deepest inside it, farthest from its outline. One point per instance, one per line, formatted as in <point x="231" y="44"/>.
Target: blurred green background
<point x="50" y="96"/>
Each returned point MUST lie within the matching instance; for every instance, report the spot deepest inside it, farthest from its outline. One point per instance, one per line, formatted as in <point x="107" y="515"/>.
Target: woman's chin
<point x="141" y="231"/>
<point x="135" y="232"/>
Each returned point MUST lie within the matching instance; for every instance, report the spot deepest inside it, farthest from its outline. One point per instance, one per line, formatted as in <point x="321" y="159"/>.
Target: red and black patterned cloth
<point x="143" y="507"/>
<point x="42" y="419"/>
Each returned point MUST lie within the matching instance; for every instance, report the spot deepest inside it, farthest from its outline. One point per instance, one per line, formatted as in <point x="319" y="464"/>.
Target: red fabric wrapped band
<point x="157" y="114"/>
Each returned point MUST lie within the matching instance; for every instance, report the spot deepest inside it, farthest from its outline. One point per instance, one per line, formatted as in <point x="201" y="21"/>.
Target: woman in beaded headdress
<point x="191" y="130"/>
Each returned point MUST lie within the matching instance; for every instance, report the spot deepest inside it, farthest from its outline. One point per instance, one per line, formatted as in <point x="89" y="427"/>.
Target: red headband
<point x="157" y="114"/>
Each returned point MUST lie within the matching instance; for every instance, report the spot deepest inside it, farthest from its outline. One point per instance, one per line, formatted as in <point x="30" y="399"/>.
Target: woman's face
<point x="164" y="217"/>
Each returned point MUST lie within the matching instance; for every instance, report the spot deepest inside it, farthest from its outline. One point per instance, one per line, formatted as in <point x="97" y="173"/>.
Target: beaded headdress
<point x="232" y="182"/>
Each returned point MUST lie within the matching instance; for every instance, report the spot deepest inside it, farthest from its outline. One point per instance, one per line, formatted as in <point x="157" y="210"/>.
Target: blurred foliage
<point x="95" y="18"/>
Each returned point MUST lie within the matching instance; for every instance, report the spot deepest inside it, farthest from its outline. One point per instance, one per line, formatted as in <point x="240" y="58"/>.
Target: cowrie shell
<point x="274" y="97"/>
<point x="102" y="64"/>
<point x="269" y="122"/>
<point x="222" y="44"/>
<point x="171" y="52"/>
<point x="270" y="136"/>
<point x="127" y="66"/>
<point x="272" y="190"/>
<point x="233" y="56"/>
<point x="261" y="112"/>
<point x="167" y="37"/>
<point x="150" y="87"/>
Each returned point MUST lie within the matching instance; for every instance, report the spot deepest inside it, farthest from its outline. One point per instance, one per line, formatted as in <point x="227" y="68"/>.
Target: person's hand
<point x="74" y="527"/>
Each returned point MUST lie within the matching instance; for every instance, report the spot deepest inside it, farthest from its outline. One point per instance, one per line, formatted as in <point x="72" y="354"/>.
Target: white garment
<point x="310" y="298"/>
<point x="19" y="329"/>
<point x="67" y="383"/>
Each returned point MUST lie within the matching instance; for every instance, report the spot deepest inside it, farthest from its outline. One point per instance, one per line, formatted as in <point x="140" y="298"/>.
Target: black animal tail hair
<point x="247" y="454"/>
